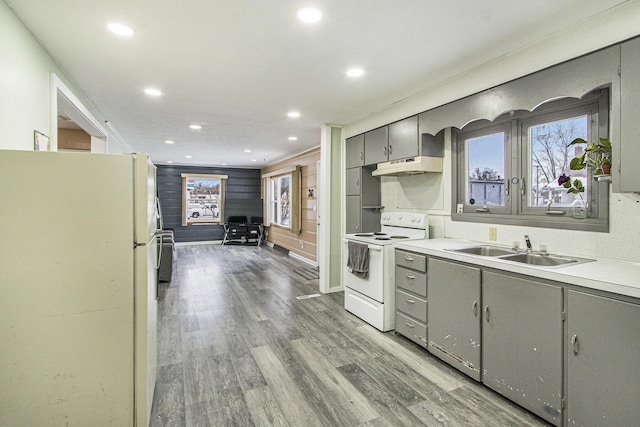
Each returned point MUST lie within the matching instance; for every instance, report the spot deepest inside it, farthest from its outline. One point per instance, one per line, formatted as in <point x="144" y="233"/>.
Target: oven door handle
<point x="371" y="248"/>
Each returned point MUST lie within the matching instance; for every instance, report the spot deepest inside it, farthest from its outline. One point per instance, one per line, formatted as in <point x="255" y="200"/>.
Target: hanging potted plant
<point x="596" y="156"/>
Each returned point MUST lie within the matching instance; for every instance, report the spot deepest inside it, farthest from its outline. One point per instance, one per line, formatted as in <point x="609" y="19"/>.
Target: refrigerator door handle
<point x="159" y="235"/>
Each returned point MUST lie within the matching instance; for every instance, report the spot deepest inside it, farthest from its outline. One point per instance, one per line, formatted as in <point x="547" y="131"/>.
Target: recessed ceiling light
<point x="293" y="138"/>
<point x="293" y="114"/>
<point x="355" y="72"/>
<point x="309" y="15"/>
<point x="195" y="127"/>
<point x="121" y="29"/>
<point x="169" y="161"/>
<point x="152" y="92"/>
<point x="188" y="157"/>
<point x="247" y="151"/>
<point x="253" y="160"/>
<point x="168" y="142"/>
<point x="223" y="164"/>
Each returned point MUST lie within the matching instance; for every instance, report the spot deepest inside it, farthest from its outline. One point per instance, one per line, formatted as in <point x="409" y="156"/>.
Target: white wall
<point x="431" y="193"/>
<point x="25" y="86"/>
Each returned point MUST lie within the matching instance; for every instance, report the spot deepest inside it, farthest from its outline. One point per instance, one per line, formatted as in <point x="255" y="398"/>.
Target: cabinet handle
<point x="357" y="181"/>
<point x="486" y="312"/>
<point x="390" y="149"/>
<point x="361" y="155"/>
<point x="410" y="276"/>
<point x="474" y="307"/>
<point x="574" y="345"/>
<point x="507" y="187"/>
<point x="523" y="189"/>
<point x="384" y="150"/>
<point x="408" y="258"/>
<point x="410" y="301"/>
<point x="409" y="325"/>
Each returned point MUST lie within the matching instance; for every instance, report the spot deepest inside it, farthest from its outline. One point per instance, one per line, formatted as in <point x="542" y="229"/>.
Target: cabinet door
<point x="629" y="123"/>
<point x="353" y="181"/>
<point x="354" y="151"/>
<point x="603" y="361"/>
<point x="403" y="138"/>
<point x="376" y="145"/>
<point x="453" y="294"/>
<point x="522" y="342"/>
<point x="353" y="219"/>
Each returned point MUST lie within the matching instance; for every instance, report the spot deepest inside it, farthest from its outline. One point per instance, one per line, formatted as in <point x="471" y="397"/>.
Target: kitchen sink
<point x="484" y="250"/>
<point x="542" y="260"/>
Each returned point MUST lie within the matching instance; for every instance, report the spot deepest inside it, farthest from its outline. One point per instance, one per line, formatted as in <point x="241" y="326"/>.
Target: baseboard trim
<point x="200" y="242"/>
<point x="301" y="258"/>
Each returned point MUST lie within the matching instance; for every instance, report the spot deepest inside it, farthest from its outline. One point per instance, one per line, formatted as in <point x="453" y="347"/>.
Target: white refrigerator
<point x="78" y="296"/>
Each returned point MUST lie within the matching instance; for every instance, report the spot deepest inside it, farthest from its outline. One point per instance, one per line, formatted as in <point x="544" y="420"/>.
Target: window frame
<point x="275" y="204"/>
<point x="188" y="221"/>
<point x="596" y="103"/>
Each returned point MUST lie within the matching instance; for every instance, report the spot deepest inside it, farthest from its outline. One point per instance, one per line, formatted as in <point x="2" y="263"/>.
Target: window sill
<point x="565" y="222"/>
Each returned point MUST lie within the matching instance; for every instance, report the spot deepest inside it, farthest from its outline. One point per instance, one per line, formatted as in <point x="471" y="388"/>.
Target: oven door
<point x="372" y="286"/>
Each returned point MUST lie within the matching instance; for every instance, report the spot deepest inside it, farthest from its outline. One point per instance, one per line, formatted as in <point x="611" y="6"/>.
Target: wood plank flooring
<point x="236" y="348"/>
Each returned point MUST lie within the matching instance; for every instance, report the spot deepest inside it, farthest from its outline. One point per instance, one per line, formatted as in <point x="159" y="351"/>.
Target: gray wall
<point x="242" y="198"/>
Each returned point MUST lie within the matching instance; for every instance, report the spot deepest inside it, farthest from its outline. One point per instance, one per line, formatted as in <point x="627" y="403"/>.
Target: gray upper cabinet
<point x="522" y="342"/>
<point x="354" y="181"/>
<point x="354" y="151"/>
<point x="629" y="111"/>
<point x="403" y="138"/>
<point x="376" y="146"/>
<point x="453" y="315"/>
<point x="603" y="361"/>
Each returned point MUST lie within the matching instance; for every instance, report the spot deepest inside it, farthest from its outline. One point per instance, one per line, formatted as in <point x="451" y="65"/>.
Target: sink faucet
<point x="528" y="242"/>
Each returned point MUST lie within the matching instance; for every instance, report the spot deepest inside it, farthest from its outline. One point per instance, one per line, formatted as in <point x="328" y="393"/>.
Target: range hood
<point x="409" y="166"/>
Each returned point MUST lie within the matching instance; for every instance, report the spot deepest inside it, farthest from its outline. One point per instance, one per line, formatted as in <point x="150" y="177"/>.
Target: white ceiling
<point x="236" y="67"/>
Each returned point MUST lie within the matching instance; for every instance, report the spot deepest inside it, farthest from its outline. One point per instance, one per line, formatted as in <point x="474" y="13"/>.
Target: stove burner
<point x="383" y="238"/>
<point x="399" y="237"/>
<point x="378" y="233"/>
<point x="365" y="235"/>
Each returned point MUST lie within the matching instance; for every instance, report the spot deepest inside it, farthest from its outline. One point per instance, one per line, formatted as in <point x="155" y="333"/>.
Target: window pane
<point x="485" y="170"/>
<point x="550" y="156"/>
<point x="203" y="200"/>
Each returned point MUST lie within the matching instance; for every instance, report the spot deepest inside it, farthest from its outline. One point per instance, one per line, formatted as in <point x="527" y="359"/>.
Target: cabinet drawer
<point x="412" y="305"/>
<point x="411" y="260"/>
<point x="411" y="280"/>
<point x="412" y="329"/>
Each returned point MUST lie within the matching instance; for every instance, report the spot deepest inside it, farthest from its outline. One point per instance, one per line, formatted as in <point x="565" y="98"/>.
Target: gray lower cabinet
<point x="603" y="346"/>
<point x="522" y="333"/>
<point x="411" y="296"/>
<point x="454" y="314"/>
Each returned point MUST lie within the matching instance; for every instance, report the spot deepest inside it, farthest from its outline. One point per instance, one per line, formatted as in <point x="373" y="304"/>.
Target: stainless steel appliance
<point x="78" y="284"/>
<point x="373" y="298"/>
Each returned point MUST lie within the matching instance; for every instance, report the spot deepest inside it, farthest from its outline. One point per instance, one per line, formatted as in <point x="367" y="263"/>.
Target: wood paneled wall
<point x="243" y="197"/>
<point x="74" y="140"/>
<point x="304" y="244"/>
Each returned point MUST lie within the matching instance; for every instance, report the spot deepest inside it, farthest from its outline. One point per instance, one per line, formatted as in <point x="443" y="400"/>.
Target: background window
<point x="550" y="156"/>
<point x="485" y="167"/>
<point x="281" y="201"/>
<point x="202" y="199"/>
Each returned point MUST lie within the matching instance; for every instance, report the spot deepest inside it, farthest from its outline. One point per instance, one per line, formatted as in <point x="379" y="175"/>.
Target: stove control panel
<point x="405" y="219"/>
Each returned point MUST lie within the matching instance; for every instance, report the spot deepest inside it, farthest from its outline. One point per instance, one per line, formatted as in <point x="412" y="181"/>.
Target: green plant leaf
<point x="577" y="141"/>
<point x="606" y="144"/>
<point x="578" y="163"/>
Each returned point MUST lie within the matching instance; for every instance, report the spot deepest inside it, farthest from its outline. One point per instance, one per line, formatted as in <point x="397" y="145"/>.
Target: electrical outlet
<point x="459" y="208"/>
<point x="493" y="233"/>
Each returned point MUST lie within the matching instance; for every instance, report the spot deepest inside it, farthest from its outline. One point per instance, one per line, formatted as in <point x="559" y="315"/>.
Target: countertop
<point x="602" y="274"/>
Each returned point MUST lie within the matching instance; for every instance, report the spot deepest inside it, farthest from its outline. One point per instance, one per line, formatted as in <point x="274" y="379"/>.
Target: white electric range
<point x="373" y="299"/>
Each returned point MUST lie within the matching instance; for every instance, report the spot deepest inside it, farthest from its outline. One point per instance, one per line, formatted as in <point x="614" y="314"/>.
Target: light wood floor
<point x="236" y="348"/>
